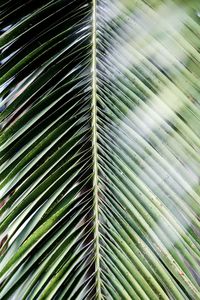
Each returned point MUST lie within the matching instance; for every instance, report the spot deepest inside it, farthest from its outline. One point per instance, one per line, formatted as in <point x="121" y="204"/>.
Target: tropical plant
<point x="100" y="149"/>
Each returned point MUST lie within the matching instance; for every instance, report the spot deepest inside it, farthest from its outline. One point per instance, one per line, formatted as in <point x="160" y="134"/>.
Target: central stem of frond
<point x="95" y="153"/>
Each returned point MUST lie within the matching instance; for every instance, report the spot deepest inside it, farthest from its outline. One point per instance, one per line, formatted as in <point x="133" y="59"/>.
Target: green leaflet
<point x="99" y="149"/>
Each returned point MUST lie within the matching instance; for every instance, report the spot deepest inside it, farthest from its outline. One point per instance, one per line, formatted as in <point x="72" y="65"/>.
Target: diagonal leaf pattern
<point x="100" y="140"/>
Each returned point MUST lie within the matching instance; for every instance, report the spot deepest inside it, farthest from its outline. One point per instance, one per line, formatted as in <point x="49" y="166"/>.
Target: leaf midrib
<point x="95" y="153"/>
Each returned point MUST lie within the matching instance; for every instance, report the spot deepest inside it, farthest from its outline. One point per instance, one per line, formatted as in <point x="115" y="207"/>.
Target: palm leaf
<point x="100" y="142"/>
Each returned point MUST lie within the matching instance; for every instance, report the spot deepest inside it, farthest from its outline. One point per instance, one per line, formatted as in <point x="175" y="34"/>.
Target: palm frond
<point x="100" y="142"/>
